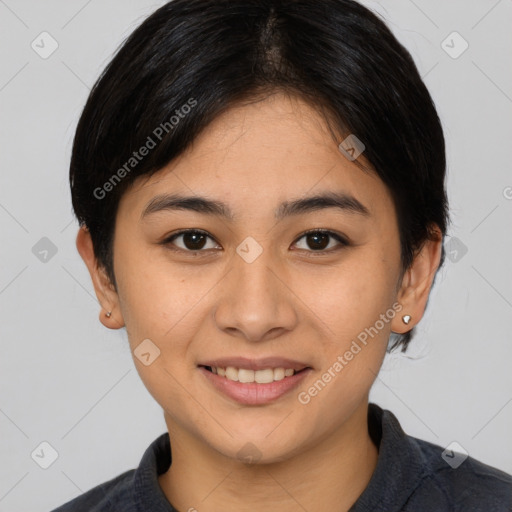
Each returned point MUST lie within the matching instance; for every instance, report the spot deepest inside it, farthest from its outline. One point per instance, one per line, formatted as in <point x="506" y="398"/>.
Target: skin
<point x="292" y="301"/>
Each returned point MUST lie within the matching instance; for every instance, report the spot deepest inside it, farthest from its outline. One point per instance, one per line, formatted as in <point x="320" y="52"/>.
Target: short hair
<point x="192" y="60"/>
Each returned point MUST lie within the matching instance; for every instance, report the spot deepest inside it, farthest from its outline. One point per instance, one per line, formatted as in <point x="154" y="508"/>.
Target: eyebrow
<point x="340" y="200"/>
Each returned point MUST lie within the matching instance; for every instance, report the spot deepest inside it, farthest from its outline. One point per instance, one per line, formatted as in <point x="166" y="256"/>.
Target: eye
<point x="193" y="240"/>
<point x="319" y="240"/>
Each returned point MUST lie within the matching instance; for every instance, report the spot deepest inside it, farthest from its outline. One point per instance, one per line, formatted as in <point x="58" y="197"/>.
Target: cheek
<point x="357" y="306"/>
<point x="352" y="357"/>
<point x="351" y="295"/>
<point x="159" y="311"/>
<point x="155" y="294"/>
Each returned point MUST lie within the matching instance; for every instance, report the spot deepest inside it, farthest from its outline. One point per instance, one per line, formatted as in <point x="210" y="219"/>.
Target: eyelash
<point x="342" y="241"/>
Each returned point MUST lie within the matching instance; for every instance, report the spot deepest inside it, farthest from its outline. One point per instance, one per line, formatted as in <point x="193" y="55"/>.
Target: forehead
<point x="259" y="155"/>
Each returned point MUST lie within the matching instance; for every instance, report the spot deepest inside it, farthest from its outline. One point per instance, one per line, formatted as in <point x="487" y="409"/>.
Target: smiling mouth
<point x="243" y="375"/>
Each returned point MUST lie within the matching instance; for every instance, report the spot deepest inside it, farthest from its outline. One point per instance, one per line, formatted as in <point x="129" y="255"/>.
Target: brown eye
<point x="192" y="240"/>
<point x="318" y="240"/>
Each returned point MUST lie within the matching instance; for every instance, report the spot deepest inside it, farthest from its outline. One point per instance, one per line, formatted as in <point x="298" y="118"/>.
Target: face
<point x="306" y="284"/>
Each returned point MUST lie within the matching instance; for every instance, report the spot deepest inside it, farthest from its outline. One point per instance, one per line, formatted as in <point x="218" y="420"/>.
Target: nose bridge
<point x="255" y="299"/>
<point x="253" y="279"/>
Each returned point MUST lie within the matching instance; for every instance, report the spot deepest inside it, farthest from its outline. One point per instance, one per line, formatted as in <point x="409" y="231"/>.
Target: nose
<point x="257" y="301"/>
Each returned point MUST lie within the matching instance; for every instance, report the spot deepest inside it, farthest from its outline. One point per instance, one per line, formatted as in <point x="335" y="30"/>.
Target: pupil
<point x="317" y="236"/>
<point x="193" y="237"/>
<point x="195" y="241"/>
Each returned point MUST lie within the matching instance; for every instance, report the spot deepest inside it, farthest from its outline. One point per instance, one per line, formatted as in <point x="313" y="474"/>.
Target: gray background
<point x="67" y="380"/>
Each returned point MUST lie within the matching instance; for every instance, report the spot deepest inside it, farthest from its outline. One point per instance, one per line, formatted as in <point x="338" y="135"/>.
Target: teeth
<point x="260" y="376"/>
<point x="279" y="373"/>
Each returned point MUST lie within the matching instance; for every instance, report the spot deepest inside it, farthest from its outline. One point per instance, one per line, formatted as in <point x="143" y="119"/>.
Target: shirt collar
<point x="400" y="468"/>
<point x="147" y="493"/>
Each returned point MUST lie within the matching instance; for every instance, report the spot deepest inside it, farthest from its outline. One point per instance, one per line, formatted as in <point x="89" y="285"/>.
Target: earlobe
<point x="108" y="319"/>
<point x="417" y="283"/>
<point x="110" y="314"/>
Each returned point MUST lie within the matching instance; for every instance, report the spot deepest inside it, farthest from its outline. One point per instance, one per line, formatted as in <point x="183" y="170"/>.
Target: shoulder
<point x="414" y="475"/>
<point x="132" y="490"/>
<point x="112" y="495"/>
<point x="460" y="481"/>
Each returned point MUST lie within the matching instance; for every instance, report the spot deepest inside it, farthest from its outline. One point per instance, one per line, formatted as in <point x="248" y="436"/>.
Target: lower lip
<point x="252" y="393"/>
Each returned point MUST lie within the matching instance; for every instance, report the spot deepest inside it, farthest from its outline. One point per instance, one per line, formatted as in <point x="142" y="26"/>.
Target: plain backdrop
<point x="71" y="384"/>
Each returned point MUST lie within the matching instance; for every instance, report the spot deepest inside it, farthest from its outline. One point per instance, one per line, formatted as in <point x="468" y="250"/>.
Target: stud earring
<point x="406" y="319"/>
<point x="108" y="314"/>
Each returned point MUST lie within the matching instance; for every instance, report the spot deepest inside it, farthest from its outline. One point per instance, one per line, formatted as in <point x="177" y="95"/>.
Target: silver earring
<point x="108" y="314"/>
<point x="406" y="319"/>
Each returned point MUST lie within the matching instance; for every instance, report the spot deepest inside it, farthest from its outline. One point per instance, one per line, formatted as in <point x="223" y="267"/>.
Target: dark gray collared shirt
<point x="411" y="476"/>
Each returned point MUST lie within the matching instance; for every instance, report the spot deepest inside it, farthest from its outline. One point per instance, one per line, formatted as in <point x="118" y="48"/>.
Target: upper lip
<point x="255" y="364"/>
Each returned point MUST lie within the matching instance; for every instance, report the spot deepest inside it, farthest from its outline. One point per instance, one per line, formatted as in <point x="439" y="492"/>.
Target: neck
<point x="329" y="475"/>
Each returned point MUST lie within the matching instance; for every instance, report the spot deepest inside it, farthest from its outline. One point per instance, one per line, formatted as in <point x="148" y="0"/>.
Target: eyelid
<point x="167" y="241"/>
<point x="343" y="241"/>
<point x="333" y="234"/>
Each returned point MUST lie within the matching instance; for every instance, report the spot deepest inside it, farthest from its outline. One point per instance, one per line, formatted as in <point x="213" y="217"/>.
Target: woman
<point x="260" y="188"/>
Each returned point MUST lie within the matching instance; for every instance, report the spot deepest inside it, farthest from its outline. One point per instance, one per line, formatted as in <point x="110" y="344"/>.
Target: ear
<point x="104" y="288"/>
<point x="417" y="282"/>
